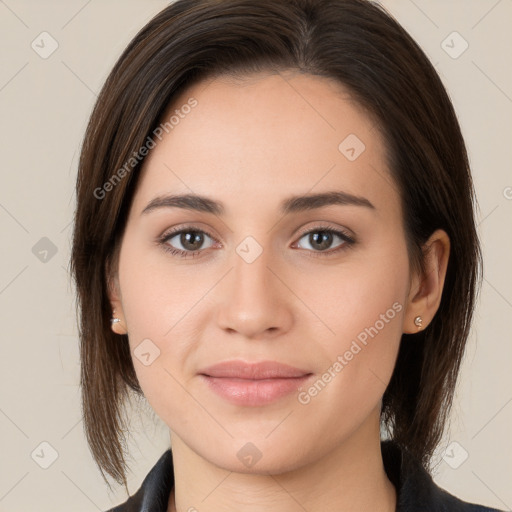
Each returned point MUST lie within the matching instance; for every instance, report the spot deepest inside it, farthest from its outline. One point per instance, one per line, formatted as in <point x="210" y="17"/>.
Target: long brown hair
<point x="352" y="41"/>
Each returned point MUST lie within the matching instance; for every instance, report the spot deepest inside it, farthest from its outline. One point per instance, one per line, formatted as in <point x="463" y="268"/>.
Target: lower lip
<point x="254" y="392"/>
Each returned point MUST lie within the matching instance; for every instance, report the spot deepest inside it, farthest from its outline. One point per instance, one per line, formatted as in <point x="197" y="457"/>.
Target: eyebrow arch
<point x="293" y="204"/>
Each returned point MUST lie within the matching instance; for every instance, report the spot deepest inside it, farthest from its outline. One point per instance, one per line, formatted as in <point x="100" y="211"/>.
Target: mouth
<point x="253" y="384"/>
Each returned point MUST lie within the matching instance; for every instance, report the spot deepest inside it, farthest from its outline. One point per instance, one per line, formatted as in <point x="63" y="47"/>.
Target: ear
<point x="118" y="323"/>
<point x="427" y="288"/>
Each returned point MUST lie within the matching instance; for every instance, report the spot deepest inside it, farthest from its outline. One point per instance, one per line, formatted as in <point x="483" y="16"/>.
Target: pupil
<point x="191" y="240"/>
<point x="325" y="239"/>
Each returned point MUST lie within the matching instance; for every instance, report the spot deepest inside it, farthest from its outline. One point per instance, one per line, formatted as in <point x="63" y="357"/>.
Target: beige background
<point x="44" y="105"/>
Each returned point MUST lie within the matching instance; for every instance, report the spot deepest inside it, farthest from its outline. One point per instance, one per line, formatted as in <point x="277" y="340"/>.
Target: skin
<point x="251" y="144"/>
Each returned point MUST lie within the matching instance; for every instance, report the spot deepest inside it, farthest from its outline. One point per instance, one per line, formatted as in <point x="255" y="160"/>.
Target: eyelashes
<point x="324" y="235"/>
<point x="164" y="240"/>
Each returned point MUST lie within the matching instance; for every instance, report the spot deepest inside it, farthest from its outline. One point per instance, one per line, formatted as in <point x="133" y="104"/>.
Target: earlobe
<point x="425" y="295"/>
<point x="117" y="322"/>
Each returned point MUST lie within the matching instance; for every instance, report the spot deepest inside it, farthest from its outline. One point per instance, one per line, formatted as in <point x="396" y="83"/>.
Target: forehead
<point x="264" y="137"/>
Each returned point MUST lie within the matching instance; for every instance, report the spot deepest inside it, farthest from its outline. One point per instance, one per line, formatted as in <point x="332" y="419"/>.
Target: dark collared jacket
<point x="416" y="491"/>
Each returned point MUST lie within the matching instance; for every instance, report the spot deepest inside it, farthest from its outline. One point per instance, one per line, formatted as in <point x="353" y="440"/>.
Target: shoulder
<point x="153" y="494"/>
<point x="416" y="490"/>
<point x="443" y="501"/>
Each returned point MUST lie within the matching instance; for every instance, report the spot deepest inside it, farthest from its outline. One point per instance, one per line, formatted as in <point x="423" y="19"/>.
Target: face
<point x="318" y="284"/>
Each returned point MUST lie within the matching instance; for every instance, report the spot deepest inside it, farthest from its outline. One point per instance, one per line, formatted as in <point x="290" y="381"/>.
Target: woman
<point x="275" y="245"/>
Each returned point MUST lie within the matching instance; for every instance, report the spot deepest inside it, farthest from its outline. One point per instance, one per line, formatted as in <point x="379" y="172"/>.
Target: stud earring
<point x="114" y="320"/>
<point x="115" y="324"/>
<point x="418" y="322"/>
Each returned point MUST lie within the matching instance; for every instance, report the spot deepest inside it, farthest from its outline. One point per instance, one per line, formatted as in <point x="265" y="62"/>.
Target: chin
<point x="259" y="457"/>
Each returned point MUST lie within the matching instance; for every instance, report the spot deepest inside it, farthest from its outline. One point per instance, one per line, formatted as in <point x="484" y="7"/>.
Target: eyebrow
<point x="294" y="204"/>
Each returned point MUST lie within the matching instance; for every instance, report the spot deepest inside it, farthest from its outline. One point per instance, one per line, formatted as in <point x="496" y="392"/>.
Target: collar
<point x="416" y="490"/>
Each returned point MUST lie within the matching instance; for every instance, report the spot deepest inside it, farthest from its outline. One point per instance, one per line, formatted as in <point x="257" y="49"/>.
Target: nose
<point x="253" y="299"/>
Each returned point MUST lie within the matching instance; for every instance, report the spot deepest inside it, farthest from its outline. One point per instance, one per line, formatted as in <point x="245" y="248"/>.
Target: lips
<point x="253" y="384"/>
<point x="253" y="371"/>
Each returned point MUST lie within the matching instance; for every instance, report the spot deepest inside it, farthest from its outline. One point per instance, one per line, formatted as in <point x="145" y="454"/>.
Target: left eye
<point x="320" y="240"/>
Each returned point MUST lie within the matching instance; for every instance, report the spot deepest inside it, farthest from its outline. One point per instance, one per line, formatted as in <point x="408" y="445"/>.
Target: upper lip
<point x="253" y="371"/>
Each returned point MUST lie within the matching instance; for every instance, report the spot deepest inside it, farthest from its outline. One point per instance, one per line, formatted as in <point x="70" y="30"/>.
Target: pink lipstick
<point x="253" y="384"/>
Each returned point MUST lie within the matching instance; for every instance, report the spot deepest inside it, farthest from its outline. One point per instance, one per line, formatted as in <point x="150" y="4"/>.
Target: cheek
<point x="156" y="292"/>
<point x="160" y="301"/>
<point x="368" y="286"/>
<point x="363" y="308"/>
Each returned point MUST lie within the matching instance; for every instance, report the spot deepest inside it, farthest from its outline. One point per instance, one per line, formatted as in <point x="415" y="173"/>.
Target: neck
<point x="350" y="478"/>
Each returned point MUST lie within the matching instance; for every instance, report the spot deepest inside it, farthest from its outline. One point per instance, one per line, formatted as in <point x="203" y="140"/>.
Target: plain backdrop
<point x="45" y="101"/>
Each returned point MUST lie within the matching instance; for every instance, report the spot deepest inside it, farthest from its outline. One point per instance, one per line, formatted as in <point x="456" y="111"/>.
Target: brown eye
<point x="186" y="242"/>
<point x="322" y="239"/>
